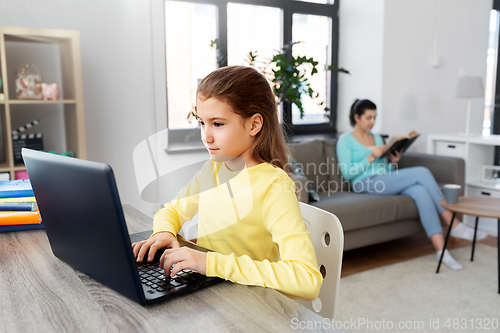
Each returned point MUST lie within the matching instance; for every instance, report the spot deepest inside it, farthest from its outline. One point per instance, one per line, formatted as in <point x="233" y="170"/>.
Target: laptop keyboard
<point x="153" y="276"/>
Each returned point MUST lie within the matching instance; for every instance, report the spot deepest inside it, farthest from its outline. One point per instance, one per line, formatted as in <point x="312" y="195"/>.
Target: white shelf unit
<point x="477" y="151"/>
<point x="56" y="53"/>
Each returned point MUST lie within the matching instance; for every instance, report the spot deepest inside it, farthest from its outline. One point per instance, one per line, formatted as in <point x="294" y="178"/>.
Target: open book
<point x="399" y="143"/>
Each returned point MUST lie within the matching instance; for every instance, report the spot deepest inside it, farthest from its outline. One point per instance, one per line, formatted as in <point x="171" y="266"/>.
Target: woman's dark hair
<point x="359" y="107"/>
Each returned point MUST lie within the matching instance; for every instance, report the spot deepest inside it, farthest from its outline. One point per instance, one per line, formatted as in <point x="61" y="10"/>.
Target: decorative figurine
<point x="28" y="83"/>
<point x="50" y="91"/>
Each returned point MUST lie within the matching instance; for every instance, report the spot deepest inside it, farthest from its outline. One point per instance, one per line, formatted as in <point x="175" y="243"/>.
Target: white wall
<point x="116" y="45"/>
<point x="416" y="95"/>
<point x="390" y="62"/>
<point x="361" y="41"/>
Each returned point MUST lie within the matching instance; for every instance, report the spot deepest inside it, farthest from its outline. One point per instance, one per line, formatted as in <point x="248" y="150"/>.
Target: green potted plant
<point x="288" y="75"/>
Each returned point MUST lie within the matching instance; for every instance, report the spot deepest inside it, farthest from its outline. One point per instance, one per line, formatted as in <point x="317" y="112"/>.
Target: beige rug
<point x="410" y="297"/>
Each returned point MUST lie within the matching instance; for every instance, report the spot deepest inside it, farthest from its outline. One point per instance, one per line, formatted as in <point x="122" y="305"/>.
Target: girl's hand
<point x="158" y="241"/>
<point x="183" y="258"/>
<point x="394" y="158"/>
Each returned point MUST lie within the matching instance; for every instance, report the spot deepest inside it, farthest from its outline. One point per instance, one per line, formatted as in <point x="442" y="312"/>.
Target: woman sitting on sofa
<point x="359" y="156"/>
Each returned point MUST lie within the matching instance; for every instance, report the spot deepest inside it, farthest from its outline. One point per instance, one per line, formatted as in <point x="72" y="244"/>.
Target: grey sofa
<point x="366" y="218"/>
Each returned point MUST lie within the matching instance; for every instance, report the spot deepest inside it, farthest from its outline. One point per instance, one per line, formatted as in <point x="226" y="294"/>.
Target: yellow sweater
<point x="252" y="221"/>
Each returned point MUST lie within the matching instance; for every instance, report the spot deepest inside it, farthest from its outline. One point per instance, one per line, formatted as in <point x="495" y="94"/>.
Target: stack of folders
<point x="18" y="208"/>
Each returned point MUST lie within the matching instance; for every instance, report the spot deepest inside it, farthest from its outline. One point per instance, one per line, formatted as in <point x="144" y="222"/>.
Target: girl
<point x="248" y="211"/>
<point x="358" y="155"/>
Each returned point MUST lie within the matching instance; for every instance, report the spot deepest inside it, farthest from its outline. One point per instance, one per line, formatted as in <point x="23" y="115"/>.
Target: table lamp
<point x="469" y="87"/>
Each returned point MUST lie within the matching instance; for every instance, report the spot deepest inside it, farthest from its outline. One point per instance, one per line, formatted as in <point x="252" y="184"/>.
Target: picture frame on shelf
<point x="491" y="174"/>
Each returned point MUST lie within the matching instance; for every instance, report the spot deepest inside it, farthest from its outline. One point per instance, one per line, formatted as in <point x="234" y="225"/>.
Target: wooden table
<point x="40" y="293"/>
<point x="478" y="207"/>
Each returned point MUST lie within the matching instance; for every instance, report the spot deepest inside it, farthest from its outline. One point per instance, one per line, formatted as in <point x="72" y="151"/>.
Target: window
<point x="318" y="46"/>
<point x="241" y="26"/>
<point x="246" y="31"/>
<point x="491" y="69"/>
<point x="188" y="55"/>
<point x="318" y="1"/>
<point x="491" y="122"/>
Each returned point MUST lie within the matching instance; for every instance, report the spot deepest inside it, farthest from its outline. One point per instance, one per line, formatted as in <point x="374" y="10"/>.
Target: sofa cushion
<point x="336" y="181"/>
<point x="358" y="211"/>
<point x="297" y="170"/>
<point x="300" y="187"/>
<point x="407" y="209"/>
<point x="310" y="156"/>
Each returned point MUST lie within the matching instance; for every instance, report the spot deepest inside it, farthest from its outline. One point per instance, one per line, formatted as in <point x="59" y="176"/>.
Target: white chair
<point x="327" y="237"/>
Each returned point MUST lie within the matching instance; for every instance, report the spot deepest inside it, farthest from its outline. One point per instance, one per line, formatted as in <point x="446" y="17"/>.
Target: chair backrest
<point x="327" y="237"/>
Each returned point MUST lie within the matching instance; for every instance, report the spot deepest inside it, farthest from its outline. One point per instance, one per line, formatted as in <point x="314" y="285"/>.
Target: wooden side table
<point x="478" y="207"/>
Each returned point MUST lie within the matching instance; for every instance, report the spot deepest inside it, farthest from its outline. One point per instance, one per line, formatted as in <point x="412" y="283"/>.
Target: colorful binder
<point x="18" y="199"/>
<point x="21" y="217"/>
<point x="16" y="188"/>
<point x="20" y="227"/>
<point x="18" y="206"/>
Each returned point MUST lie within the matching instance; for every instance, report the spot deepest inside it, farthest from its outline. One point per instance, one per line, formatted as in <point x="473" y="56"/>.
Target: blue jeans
<point x="417" y="183"/>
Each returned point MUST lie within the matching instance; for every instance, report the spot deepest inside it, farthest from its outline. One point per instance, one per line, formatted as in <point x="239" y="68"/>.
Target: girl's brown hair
<point x="248" y="92"/>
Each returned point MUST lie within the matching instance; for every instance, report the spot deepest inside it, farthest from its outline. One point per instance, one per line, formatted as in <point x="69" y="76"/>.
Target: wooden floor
<point x="418" y="245"/>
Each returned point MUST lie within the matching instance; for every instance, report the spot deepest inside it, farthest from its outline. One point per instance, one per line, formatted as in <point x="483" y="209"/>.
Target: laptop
<point x="83" y="217"/>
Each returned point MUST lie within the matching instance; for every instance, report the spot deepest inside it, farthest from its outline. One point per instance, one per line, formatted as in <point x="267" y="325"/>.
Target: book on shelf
<point x="399" y="143"/>
<point x="16" y="188"/>
<point x="21" y="227"/>
<point x="18" y="206"/>
<point x="21" y="174"/>
<point x="18" y="199"/>
<point x="20" y="217"/>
